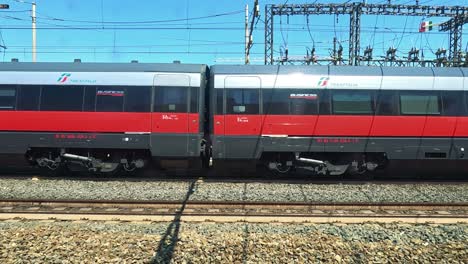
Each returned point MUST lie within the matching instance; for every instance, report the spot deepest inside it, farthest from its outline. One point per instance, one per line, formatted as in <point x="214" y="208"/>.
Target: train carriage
<point x="101" y="116"/>
<point x="335" y="119"/>
<point x="104" y="117"/>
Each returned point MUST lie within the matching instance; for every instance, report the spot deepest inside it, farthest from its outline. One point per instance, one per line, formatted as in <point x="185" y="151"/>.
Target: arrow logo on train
<point x="323" y="81"/>
<point x="63" y="78"/>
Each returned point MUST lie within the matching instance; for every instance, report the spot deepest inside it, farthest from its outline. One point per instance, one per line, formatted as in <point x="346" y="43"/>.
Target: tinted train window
<point x="89" y="104"/>
<point x="138" y="99"/>
<point x="29" y="96"/>
<point x="7" y="98"/>
<point x="109" y="99"/>
<point x="352" y="102"/>
<point x="452" y="102"/>
<point x="324" y="102"/>
<point x="62" y="98"/>
<point x="387" y="103"/>
<point x="290" y="101"/>
<point x="194" y="99"/>
<point x="275" y="101"/>
<point x="242" y="101"/>
<point x="419" y="104"/>
<point x="171" y="99"/>
<point x="219" y="101"/>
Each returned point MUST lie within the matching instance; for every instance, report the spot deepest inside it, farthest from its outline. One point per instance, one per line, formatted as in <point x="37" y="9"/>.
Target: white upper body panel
<point x="96" y="78"/>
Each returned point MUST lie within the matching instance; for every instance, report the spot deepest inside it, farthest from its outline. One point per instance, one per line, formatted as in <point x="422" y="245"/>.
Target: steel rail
<point x="224" y="211"/>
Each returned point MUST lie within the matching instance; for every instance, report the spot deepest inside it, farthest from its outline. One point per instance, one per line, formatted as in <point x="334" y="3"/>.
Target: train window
<point x="387" y="103"/>
<point x="109" y="99"/>
<point x="219" y="101"/>
<point x="29" y="96"/>
<point x="324" y="102"/>
<point x="89" y="104"/>
<point x="419" y="104"/>
<point x="138" y="99"/>
<point x="7" y="98"/>
<point x="275" y="101"/>
<point x="194" y="100"/>
<point x="62" y="98"/>
<point x="171" y="99"/>
<point x="242" y="101"/>
<point x="290" y="101"/>
<point x="452" y="102"/>
<point x="352" y="102"/>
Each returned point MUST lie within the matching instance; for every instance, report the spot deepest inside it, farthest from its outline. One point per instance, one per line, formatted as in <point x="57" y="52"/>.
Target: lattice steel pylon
<point x="268" y="35"/>
<point x="354" y="33"/>
<point x="355" y="11"/>
<point x="455" y="28"/>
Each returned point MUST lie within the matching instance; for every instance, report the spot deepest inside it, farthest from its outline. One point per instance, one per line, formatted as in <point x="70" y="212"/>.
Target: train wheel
<point x="280" y="169"/>
<point x="116" y="172"/>
<point x="60" y="170"/>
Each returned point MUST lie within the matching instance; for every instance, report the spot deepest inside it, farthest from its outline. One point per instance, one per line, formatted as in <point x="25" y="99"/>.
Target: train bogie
<point x="97" y="161"/>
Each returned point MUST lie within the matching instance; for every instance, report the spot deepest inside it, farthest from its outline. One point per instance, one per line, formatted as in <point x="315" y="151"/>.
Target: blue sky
<point x="220" y="41"/>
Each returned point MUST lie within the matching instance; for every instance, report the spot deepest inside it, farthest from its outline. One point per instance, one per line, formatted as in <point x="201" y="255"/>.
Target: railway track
<point x="199" y="211"/>
<point x="233" y="179"/>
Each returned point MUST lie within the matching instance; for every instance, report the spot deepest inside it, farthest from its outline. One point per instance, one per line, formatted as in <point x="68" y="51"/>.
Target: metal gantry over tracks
<point x="458" y="16"/>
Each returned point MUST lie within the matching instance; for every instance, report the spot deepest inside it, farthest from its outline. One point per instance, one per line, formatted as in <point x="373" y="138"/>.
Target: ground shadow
<point x="245" y="244"/>
<point x="165" y="250"/>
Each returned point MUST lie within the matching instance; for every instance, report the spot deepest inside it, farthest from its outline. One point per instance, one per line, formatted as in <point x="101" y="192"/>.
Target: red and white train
<point x="326" y="119"/>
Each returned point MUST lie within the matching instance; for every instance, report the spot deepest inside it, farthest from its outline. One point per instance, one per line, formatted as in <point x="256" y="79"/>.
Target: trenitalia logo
<point x="63" y="78"/>
<point x="66" y="78"/>
<point x="323" y="81"/>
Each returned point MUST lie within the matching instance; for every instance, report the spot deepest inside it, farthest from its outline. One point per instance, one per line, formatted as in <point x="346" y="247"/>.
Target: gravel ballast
<point x="228" y="191"/>
<point x="97" y="242"/>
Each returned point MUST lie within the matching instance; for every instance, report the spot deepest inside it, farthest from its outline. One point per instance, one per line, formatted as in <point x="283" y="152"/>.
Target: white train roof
<point x="118" y="74"/>
<point x="339" y="77"/>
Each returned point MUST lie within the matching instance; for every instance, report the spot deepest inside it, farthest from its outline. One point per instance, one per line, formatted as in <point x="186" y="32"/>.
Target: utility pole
<point x="247" y="35"/>
<point x="248" y="32"/>
<point x="33" y="16"/>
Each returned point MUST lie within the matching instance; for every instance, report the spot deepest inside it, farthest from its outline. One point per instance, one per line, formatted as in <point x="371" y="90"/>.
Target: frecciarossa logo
<point x="66" y="78"/>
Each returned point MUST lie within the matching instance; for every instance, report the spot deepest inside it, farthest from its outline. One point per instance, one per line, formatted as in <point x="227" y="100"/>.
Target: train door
<point x="170" y="117"/>
<point x="458" y="108"/>
<point x="242" y="119"/>
<point x="443" y="106"/>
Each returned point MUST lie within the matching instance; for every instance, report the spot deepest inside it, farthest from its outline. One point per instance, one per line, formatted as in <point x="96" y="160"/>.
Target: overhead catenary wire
<point x="47" y="17"/>
<point x="15" y="11"/>
<point x="139" y="52"/>
<point x="298" y="29"/>
<point x="67" y="24"/>
<point x="406" y="22"/>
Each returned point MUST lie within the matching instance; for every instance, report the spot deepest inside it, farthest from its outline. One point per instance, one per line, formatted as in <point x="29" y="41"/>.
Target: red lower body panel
<point x="104" y="122"/>
<point x="342" y="125"/>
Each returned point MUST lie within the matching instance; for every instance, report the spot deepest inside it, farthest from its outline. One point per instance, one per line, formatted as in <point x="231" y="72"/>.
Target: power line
<point x="47" y="17"/>
<point x="322" y="27"/>
<point x="406" y="22"/>
<point x="301" y="29"/>
<point x="15" y="11"/>
<point x="139" y="52"/>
